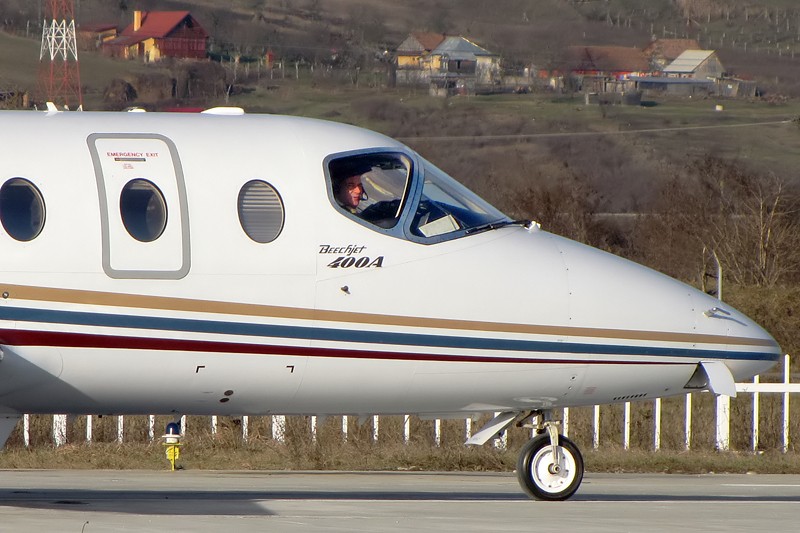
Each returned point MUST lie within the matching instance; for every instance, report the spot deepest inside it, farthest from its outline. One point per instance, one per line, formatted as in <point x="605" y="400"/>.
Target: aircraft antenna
<point x="59" y="74"/>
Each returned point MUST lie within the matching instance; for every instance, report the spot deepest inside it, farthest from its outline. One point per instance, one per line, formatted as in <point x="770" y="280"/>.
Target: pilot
<point x="348" y="189"/>
<point x="350" y="192"/>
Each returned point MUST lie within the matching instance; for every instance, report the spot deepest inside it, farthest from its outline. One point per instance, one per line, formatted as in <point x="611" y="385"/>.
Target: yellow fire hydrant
<point x="172" y="443"/>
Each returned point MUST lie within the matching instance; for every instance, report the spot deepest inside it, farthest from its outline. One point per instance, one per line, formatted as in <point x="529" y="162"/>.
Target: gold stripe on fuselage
<point x="164" y="303"/>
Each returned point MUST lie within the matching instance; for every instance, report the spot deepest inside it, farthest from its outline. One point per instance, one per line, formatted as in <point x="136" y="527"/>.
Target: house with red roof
<point x="157" y="34"/>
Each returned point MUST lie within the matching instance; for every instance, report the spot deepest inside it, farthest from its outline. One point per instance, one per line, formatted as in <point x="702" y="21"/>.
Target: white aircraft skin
<point x="335" y="316"/>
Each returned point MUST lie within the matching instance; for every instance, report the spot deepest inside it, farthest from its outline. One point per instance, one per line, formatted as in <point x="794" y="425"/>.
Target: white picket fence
<point x="722" y="422"/>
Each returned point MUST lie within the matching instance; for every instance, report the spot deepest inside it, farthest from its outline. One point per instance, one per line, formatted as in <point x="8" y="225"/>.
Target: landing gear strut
<point x="550" y="467"/>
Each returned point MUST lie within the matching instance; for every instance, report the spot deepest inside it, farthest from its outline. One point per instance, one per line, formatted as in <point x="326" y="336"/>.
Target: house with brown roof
<point x="603" y="68"/>
<point x="662" y="52"/>
<point x="414" y="60"/>
<point x="609" y="61"/>
<point x="416" y="49"/>
<point x="157" y="34"/>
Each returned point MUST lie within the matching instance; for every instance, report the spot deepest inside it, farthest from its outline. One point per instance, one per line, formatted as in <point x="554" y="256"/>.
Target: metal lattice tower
<point x="59" y="73"/>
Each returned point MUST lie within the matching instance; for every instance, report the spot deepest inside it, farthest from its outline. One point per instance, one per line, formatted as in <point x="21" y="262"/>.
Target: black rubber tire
<point x="536" y="455"/>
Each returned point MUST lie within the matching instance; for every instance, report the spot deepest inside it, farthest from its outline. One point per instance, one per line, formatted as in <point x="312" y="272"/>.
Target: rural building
<point x="729" y="87"/>
<point x="449" y="64"/>
<point x="663" y="86"/>
<point x="695" y="64"/>
<point x="414" y="61"/>
<point x="604" y="69"/>
<point x="662" y="52"/>
<point x="92" y="36"/>
<point x="157" y="34"/>
<point x="736" y="87"/>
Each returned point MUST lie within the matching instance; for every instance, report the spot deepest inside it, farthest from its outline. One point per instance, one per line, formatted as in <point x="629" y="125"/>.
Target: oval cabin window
<point x="21" y="209"/>
<point x="143" y="210"/>
<point x="260" y="211"/>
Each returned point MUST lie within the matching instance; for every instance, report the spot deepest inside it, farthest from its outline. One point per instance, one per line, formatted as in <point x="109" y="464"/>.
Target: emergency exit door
<point x="144" y="215"/>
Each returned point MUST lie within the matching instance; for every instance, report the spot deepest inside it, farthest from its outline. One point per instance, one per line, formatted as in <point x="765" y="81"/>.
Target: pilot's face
<point x="350" y="191"/>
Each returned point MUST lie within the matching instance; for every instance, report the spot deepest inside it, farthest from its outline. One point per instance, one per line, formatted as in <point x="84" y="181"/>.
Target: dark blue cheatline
<point x="368" y="337"/>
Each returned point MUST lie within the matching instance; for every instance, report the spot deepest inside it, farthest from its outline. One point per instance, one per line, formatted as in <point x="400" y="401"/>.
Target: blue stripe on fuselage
<point x="354" y="335"/>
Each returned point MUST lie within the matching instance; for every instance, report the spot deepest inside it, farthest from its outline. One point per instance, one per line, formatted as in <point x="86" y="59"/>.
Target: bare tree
<point x="566" y="207"/>
<point x="757" y="237"/>
<point x="750" y="221"/>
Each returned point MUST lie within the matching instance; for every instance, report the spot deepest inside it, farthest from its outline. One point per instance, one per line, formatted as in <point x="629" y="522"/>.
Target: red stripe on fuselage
<point x="59" y="339"/>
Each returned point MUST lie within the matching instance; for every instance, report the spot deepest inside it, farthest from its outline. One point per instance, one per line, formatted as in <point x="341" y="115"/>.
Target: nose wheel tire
<point x="544" y="478"/>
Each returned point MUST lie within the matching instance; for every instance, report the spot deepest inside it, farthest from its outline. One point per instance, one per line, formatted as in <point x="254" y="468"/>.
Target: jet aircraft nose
<point x="650" y="312"/>
<point x="751" y="350"/>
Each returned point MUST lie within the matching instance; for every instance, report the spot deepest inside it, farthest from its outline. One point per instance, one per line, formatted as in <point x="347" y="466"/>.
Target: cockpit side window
<point x="372" y="187"/>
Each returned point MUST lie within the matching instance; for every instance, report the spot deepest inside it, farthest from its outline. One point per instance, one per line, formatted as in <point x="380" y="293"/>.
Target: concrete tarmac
<point x="92" y="501"/>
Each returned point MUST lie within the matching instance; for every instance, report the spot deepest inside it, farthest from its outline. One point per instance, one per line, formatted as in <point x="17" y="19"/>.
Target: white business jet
<point x="230" y="264"/>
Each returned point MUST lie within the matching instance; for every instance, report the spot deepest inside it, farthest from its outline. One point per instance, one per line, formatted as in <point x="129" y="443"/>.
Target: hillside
<point x="748" y="33"/>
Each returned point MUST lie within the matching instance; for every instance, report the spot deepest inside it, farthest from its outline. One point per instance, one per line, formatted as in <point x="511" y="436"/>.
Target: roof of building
<point x="460" y="48"/>
<point x="157" y="24"/>
<point x="420" y="42"/>
<point x="97" y="27"/>
<point x="662" y="80"/>
<point x="688" y="61"/>
<point x="669" y="49"/>
<point x="607" y="59"/>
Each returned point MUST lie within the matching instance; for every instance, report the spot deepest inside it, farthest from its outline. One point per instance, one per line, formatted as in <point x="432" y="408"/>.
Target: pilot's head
<point x="350" y="191"/>
<point x="348" y="188"/>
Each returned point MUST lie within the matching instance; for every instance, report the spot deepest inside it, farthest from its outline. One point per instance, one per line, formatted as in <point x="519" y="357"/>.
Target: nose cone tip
<point x="759" y="351"/>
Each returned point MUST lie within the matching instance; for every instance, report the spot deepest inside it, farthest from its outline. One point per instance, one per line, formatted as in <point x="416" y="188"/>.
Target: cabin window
<point x="143" y="210"/>
<point x="371" y="187"/>
<point x="21" y="209"/>
<point x="260" y="211"/>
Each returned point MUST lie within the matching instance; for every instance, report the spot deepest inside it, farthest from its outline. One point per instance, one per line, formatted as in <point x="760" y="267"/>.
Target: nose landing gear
<point x="550" y="466"/>
<point x="544" y="478"/>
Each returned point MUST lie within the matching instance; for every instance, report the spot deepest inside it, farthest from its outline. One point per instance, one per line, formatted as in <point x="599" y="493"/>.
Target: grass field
<point x="227" y="451"/>
<point x="19" y="69"/>
<point x="265" y="456"/>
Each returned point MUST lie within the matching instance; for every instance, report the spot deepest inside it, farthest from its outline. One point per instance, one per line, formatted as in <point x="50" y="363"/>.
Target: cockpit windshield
<point x="446" y="206"/>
